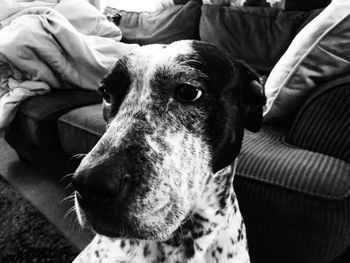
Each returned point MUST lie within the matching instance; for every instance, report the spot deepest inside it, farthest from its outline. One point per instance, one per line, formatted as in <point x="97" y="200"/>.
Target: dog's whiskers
<point x="68" y="187"/>
<point x="72" y="220"/>
<point x="69" y="212"/>
<point x="77" y="156"/>
<point x="66" y="177"/>
<point x="68" y="198"/>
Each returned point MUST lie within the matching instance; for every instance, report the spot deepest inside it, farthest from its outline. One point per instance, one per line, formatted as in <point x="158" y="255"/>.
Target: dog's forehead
<point x="155" y="56"/>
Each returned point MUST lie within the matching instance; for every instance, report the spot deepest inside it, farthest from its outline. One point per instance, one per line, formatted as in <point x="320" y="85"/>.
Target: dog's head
<point x="175" y="115"/>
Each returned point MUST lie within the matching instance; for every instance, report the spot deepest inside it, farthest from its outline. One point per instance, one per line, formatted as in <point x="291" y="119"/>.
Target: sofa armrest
<point x="323" y="122"/>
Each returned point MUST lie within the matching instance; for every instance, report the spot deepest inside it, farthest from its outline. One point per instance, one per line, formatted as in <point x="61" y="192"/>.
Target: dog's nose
<point x="103" y="181"/>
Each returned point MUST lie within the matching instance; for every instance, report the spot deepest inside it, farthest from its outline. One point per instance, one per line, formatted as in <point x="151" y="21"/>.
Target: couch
<point x="292" y="181"/>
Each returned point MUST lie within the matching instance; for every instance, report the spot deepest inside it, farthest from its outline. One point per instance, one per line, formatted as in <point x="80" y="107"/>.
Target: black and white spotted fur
<point x="158" y="186"/>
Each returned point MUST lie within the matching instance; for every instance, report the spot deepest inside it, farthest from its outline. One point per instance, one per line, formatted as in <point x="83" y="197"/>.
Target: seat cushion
<point x="33" y="132"/>
<point x="80" y="129"/>
<point x="36" y="118"/>
<point x="295" y="202"/>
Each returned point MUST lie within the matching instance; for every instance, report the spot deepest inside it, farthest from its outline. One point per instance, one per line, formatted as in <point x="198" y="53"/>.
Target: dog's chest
<point x="205" y="245"/>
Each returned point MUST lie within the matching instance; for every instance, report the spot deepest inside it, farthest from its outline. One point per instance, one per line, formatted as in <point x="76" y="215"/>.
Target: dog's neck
<point x="216" y="220"/>
<point x="214" y="232"/>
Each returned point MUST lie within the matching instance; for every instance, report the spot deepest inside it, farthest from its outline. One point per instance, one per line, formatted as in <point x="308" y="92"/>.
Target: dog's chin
<point x="140" y="234"/>
<point x="129" y="231"/>
<point x="120" y="224"/>
<point x="125" y="228"/>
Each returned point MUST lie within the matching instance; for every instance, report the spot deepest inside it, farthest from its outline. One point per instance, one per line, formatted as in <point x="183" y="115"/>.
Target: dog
<point x="158" y="186"/>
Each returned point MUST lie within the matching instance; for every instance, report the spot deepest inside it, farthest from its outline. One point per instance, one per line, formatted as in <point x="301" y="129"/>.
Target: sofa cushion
<point x="80" y="129"/>
<point x="259" y="36"/>
<point x="291" y="198"/>
<point x="319" y="52"/>
<point x="36" y="119"/>
<point x="266" y="157"/>
<point x="164" y="26"/>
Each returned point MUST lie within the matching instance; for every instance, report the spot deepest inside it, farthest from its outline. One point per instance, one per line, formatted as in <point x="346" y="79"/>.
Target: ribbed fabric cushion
<point x="80" y="129"/>
<point x="266" y="157"/>
<point x="288" y="227"/>
<point x="323" y="123"/>
<point x="295" y="202"/>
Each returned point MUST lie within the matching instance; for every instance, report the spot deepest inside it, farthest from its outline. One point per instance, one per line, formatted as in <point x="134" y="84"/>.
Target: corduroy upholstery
<point x="323" y="123"/>
<point x="267" y="158"/>
<point x="295" y="202"/>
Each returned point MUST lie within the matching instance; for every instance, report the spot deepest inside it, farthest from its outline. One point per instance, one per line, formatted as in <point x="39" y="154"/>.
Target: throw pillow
<point x="319" y="52"/>
<point x="300" y="5"/>
<point x="259" y="36"/>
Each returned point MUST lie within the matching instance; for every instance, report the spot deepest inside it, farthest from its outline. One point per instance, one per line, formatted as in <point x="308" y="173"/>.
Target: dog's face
<point x="175" y="116"/>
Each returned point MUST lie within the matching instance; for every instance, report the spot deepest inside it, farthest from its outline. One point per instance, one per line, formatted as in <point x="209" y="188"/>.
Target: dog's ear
<point x="252" y="96"/>
<point x="246" y="89"/>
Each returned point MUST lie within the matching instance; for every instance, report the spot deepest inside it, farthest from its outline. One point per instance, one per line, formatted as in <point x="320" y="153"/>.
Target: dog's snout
<point x="104" y="181"/>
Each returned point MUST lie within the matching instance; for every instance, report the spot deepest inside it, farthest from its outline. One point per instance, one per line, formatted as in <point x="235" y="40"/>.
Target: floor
<point x="43" y="192"/>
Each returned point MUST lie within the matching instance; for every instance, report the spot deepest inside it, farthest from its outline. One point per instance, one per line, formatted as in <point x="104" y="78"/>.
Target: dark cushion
<point x="80" y="129"/>
<point x="33" y="132"/>
<point x="37" y="117"/>
<point x="295" y="5"/>
<point x="323" y="123"/>
<point x="295" y="202"/>
<point x="259" y="36"/>
<point x="164" y="26"/>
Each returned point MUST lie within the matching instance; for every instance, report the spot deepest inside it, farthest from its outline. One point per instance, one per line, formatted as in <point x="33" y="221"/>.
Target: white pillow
<point x="319" y="52"/>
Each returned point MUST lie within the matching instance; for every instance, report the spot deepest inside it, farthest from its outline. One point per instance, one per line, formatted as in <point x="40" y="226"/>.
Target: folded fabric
<point x="9" y="7"/>
<point x="40" y="49"/>
<point x="318" y="53"/>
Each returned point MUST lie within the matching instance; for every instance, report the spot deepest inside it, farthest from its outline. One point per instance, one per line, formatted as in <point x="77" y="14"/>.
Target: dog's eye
<point x="187" y="93"/>
<point x="105" y="94"/>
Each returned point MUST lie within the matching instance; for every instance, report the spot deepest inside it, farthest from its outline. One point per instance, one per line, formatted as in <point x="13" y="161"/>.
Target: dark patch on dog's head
<point x="234" y="100"/>
<point x="114" y="88"/>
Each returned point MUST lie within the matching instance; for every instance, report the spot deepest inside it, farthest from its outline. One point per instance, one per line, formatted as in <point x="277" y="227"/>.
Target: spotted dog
<point x="158" y="186"/>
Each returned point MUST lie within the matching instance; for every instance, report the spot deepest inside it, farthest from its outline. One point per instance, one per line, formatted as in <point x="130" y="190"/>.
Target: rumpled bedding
<point x="44" y="47"/>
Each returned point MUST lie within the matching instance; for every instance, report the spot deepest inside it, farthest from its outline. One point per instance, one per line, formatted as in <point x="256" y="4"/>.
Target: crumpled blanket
<point x="43" y="47"/>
